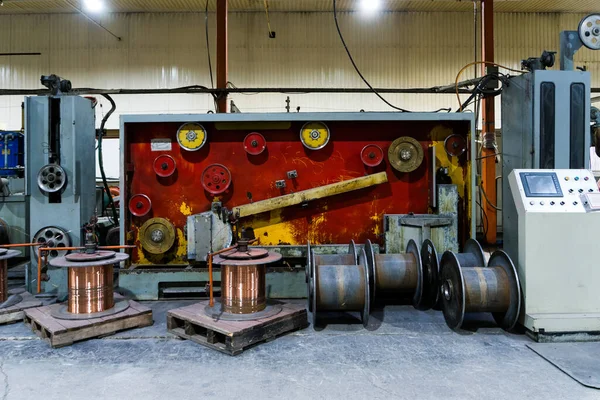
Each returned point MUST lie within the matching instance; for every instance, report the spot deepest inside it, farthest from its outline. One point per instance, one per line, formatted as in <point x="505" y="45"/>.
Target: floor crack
<point x="6" y="384"/>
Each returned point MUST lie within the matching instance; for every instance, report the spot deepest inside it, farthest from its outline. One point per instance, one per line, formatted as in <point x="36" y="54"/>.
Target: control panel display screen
<point x="541" y="184"/>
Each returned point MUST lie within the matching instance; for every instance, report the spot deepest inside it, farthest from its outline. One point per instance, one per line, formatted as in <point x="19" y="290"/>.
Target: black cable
<point x="113" y="107"/>
<point x="337" y="26"/>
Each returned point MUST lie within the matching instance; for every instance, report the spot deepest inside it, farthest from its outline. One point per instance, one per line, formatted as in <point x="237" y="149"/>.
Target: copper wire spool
<point x="90" y="289"/>
<point x="6" y="299"/>
<point x="469" y="286"/>
<point x="243" y="283"/>
<point x="338" y="287"/>
<point x="90" y="285"/>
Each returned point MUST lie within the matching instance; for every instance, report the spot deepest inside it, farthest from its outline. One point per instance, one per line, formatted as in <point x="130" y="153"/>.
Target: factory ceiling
<point x="69" y="6"/>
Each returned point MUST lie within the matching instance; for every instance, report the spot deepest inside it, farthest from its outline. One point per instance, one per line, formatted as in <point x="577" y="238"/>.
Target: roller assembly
<point x="467" y="285"/>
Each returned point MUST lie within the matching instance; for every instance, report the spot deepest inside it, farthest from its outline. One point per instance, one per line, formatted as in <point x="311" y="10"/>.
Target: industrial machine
<point x="13" y="207"/>
<point x="558" y="214"/>
<point x="59" y="180"/>
<point x="192" y="184"/>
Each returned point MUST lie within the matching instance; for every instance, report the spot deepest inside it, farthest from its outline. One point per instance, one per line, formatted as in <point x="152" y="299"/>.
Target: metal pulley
<point x="191" y="136"/>
<point x="164" y="165"/>
<point x="255" y="143"/>
<point x="52" y="237"/>
<point x="455" y="145"/>
<point x="140" y="205"/>
<point x="51" y="178"/>
<point x="157" y="235"/>
<point x="405" y="154"/>
<point x="314" y="135"/>
<point x="589" y="31"/>
<point x="216" y="179"/>
<point x="371" y="155"/>
<point x="467" y="285"/>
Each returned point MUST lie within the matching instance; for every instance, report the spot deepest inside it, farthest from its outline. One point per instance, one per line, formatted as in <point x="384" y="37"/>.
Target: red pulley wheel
<point x="371" y="155"/>
<point x="140" y="205"/>
<point x="254" y="143"/>
<point x="216" y="179"/>
<point x="164" y="165"/>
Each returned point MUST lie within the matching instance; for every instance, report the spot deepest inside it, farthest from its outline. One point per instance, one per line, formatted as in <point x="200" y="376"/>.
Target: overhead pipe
<point x="222" y="55"/>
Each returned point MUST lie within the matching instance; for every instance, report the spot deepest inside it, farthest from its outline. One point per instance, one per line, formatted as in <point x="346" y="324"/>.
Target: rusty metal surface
<point x="90" y="289"/>
<point x="487" y="289"/>
<point x="64" y="263"/>
<point x="243" y="289"/>
<point x="356" y="215"/>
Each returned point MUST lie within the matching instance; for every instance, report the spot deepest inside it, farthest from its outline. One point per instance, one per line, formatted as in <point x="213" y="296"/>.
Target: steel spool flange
<point x="352" y="250"/>
<point x="507" y="320"/>
<point x="431" y="270"/>
<point x="452" y="290"/>
<point x="366" y="312"/>
<point x="472" y="247"/>
<point x="369" y="257"/>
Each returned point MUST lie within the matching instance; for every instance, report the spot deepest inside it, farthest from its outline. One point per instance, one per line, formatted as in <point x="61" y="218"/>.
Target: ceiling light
<point x="93" y="5"/>
<point x="370" y="6"/>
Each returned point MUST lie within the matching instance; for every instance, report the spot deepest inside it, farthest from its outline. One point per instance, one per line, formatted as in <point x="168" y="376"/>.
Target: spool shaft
<point x="486" y="289"/>
<point x="396" y="273"/>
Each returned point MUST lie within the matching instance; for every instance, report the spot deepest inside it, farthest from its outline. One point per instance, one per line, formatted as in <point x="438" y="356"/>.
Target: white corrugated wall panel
<point x="169" y="50"/>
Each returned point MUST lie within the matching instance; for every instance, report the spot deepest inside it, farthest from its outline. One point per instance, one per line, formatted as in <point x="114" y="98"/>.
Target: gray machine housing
<point x="545" y="125"/>
<point x="60" y="128"/>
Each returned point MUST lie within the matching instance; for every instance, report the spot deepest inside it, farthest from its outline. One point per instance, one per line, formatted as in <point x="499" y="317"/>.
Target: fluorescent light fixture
<point x="370" y="6"/>
<point x="93" y="5"/>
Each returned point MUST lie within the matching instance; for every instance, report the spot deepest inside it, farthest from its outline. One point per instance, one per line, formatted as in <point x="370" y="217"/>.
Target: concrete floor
<point x="410" y="355"/>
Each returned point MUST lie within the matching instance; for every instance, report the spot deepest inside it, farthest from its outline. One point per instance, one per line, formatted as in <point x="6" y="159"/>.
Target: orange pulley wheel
<point x="216" y="179"/>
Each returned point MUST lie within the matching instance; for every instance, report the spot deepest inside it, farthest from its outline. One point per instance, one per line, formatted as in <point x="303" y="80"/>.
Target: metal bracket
<point x="569" y="44"/>
<point x="280" y="184"/>
<point x="425" y="223"/>
<point x="292" y="174"/>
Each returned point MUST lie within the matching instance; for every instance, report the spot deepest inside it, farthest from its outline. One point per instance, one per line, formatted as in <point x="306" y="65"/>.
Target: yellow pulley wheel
<point x="191" y="136"/>
<point x="314" y="135"/>
<point x="405" y="154"/>
<point x="157" y="235"/>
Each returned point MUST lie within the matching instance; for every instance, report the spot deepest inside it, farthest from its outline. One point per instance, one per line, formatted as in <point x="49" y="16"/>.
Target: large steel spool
<point x="431" y="264"/>
<point x="90" y="285"/>
<point x="467" y="285"/>
<point x="401" y="275"/>
<point x="338" y="287"/>
<point x="243" y="284"/>
<point x="7" y="300"/>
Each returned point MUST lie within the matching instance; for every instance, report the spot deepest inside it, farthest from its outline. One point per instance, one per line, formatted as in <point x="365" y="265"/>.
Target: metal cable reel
<point x="340" y="288"/>
<point x="311" y="258"/>
<point x="315" y="135"/>
<point x="51" y="178"/>
<point x="468" y="286"/>
<point x="589" y="31"/>
<point x="157" y="235"/>
<point x="455" y="145"/>
<point x="191" y="136"/>
<point x="400" y="275"/>
<point x="52" y="237"/>
<point x="405" y="154"/>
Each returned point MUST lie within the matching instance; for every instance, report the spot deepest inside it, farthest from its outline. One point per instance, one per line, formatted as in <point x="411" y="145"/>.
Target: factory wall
<point x="396" y="50"/>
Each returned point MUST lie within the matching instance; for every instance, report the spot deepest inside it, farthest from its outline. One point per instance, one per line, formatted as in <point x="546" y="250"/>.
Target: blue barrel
<point x="12" y="153"/>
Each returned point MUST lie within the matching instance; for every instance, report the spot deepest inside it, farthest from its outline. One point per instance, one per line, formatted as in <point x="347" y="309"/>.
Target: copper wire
<point x="243" y="288"/>
<point x="90" y="289"/>
<point x="3" y="281"/>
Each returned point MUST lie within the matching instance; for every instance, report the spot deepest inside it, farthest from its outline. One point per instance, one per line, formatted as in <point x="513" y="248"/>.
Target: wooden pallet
<point x="233" y="337"/>
<point x="15" y="313"/>
<point x="62" y="332"/>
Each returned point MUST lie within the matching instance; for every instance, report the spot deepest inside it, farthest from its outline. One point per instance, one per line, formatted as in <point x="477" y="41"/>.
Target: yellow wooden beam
<point x="309" y="194"/>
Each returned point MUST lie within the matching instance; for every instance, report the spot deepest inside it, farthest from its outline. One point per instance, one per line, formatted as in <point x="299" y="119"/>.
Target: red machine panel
<point x="337" y="219"/>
